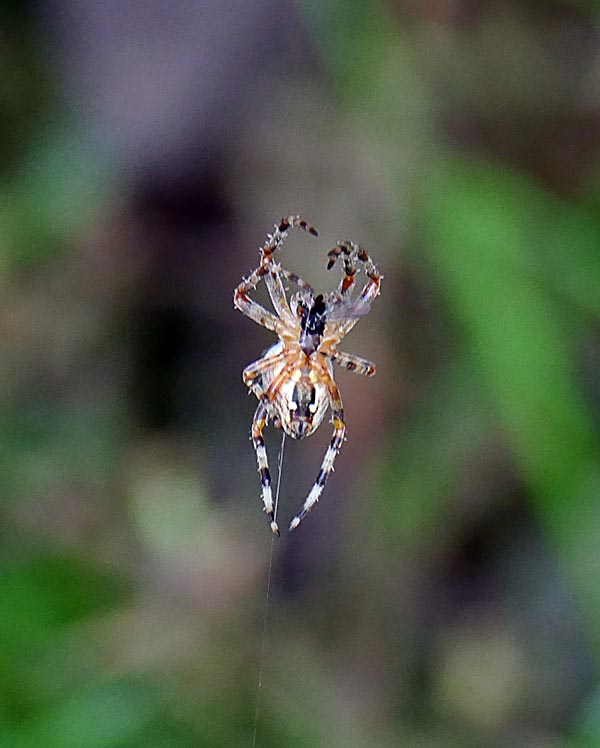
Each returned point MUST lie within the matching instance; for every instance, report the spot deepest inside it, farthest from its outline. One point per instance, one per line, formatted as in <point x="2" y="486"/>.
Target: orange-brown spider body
<point x="293" y="380"/>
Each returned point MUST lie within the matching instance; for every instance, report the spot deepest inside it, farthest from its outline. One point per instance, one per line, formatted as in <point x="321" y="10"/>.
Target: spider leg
<point x="369" y="293"/>
<point x="252" y="374"/>
<point x="349" y="252"/>
<point x="258" y="424"/>
<point x="277" y="292"/>
<point x="293" y="278"/>
<point x="252" y="308"/>
<point x="275" y="385"/>
<point x="273" y="270"/>
<point x="339" y="429"/>
<point x="270" y="270"/>
<point x="276" y="239"/>
<point x="354" y="256"/>
<point x="260" y="420"/>
<point x="357" y="364"/>
<point x="254" y="370"/>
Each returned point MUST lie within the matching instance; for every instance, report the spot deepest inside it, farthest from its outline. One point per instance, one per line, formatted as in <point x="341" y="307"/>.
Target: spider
<point x="293" y="380"/>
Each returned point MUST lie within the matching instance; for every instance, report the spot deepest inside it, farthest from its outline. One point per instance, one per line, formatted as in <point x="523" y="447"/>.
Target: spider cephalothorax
<point x="293" y="380"/>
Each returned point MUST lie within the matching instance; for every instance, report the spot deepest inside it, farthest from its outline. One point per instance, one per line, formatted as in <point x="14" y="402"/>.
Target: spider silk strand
<point x="266" y="613"/>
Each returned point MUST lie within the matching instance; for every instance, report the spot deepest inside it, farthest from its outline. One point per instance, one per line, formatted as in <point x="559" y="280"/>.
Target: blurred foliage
<point x="131" y="582"/>
<point x="490" y="232"/>
<point x="56" y="192"/>
<point x="52" y="183"/>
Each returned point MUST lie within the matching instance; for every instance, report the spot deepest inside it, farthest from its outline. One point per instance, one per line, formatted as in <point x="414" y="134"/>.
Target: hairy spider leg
<point x="293" y="278"/>
<point x="272" y="271"/>
<point x="258" y="424"/>
<point x="276" y="239"/>
<point x="277" y="292"/>
<point x="349" y="251"/>
<point x="354" y="256"/>
<point x="269" y="271"/>
<point x="357" y="364"/>
<point x="369" y="293"/>
<point x="254" y="371"/>
<point x="339" y="429"/>
<point x="252" y="308"/>
<point x="276" y="383"/>
<point x="304" y="286"/>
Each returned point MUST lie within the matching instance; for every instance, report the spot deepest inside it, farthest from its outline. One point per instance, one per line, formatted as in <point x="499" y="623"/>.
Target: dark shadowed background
<point x="445" y="593"/>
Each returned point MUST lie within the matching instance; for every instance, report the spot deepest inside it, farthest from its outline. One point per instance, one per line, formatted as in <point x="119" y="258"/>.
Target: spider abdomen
<point x="302" y="402"/>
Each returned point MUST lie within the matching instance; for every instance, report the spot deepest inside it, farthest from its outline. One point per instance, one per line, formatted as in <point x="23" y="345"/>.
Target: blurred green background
<point x="445" y="593"/>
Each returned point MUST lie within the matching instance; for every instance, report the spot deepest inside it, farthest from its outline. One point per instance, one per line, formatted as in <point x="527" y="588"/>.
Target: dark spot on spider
<point x="314" y="320"/>
<point x="304" y="396"/>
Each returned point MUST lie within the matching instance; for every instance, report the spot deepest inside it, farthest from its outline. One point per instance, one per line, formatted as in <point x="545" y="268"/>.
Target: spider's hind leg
<point x="339" y="429"/>
<point x="258" y="424"/>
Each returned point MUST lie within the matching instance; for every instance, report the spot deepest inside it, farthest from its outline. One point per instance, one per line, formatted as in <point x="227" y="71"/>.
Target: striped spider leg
<point x="270" y="271"/>
<point x="293" y="380"/>
<point x="339" y="429"/>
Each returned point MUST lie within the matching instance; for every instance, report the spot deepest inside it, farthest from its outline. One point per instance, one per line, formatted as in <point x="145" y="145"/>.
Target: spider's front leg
<point x="339" y="429"/>
<point x="258" y="424"/>
<point x="252" y="308"/>
<point x="354" y="256"/>
<point x="273" y="272"/>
